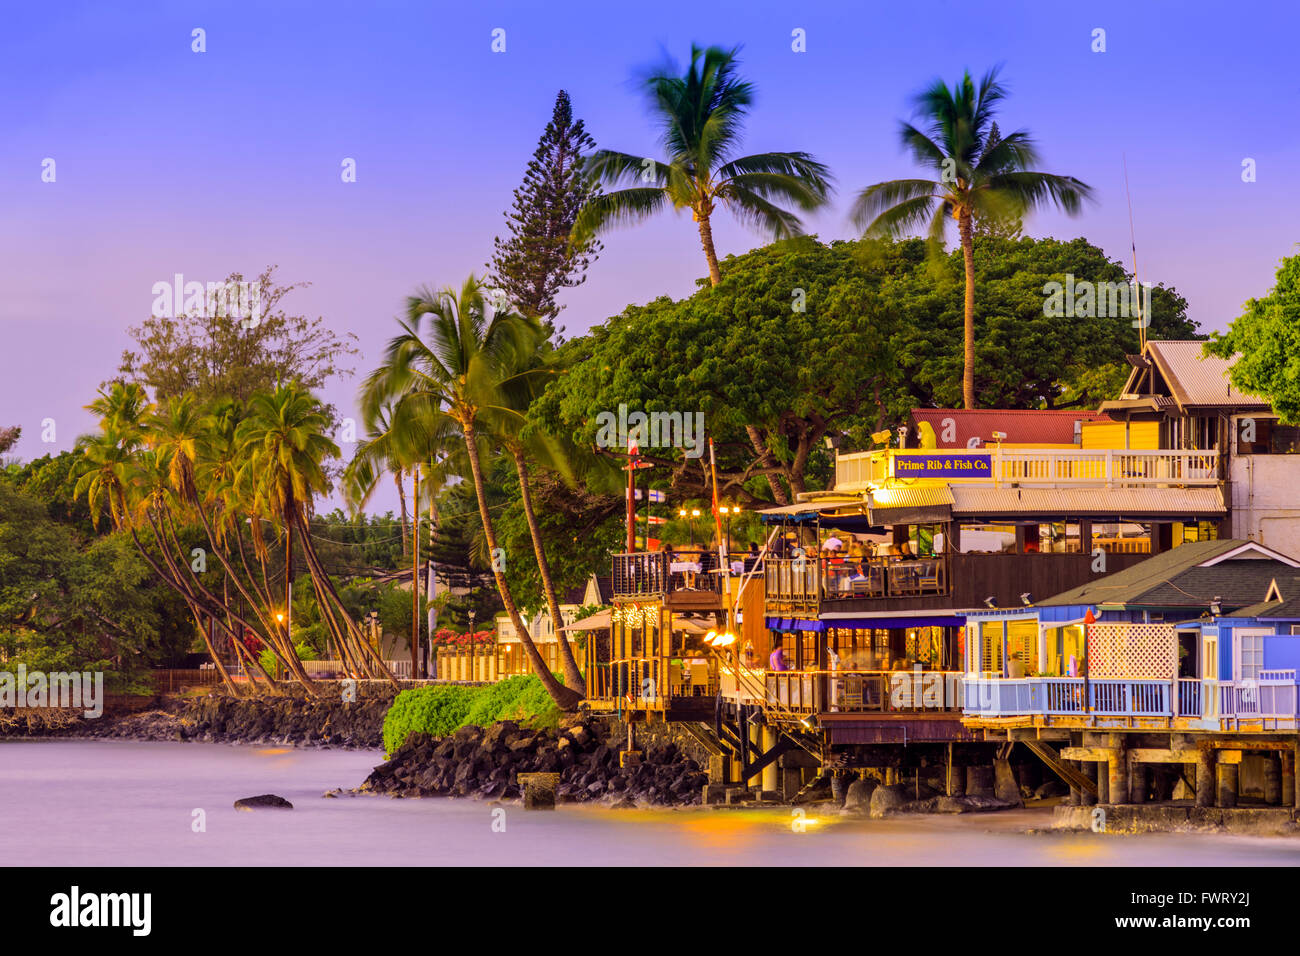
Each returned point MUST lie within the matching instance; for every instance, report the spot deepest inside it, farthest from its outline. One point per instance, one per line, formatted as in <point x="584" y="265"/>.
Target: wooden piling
<point x="1272" y="780"/>
<point x="1101" y="771"/>
<point x="1227" y="784"/>
<point x="1205" y="777"/>
<point x="1117" y="767"/>
<point x="1288" y="778"/>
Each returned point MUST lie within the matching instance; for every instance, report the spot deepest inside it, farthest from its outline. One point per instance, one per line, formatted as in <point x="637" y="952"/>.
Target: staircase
<point x="1072" y="777"/>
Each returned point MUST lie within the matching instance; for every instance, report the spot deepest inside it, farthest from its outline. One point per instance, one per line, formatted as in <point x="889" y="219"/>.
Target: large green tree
<point x="701" y="114"/>
<point x="979" y="177"/>
<point x="1265" y="339"/>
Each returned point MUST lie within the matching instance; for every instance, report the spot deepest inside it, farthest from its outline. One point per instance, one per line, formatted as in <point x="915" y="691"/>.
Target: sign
<point x="656" y="497"/>
<point x="927" y="465"/>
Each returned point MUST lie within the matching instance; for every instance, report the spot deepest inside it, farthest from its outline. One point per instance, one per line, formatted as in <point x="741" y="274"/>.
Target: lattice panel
<point x="1148" y="651"/>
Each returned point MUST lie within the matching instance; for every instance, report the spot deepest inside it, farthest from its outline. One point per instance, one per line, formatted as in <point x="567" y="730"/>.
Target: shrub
<point x="441" y="710"/>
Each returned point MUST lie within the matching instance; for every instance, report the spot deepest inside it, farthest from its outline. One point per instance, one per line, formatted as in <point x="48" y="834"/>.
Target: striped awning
<point x="981" y="501"/>
<point x="911" y="505"/>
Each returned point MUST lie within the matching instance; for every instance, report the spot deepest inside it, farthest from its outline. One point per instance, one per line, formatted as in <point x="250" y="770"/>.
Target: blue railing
<point x="1051" y="696"/>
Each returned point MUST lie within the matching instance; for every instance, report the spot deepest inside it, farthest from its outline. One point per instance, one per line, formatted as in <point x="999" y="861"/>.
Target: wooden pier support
<point x="1227" y="784"/>
<point x="772" y="772"/>
<point x="1137" y="782"/>
<point x="1103" y="783"/>
<point x="955" y="781"/>
<point x="539" y="790"/>
<point x="1272" y="780"/>
<point x="1117" y="767"/>
<point x="1205" y="777"/>
<point x="1288" y="778"/>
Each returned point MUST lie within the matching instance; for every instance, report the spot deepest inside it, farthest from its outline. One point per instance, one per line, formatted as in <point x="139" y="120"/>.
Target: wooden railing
<point x="1273" y="695"/>
<point x="823" y="691"/>
<point x="1049" y="466"/>
<point x="652" y="573"/>
<point x="640" y="682"/>
<point x="807" y="581"/>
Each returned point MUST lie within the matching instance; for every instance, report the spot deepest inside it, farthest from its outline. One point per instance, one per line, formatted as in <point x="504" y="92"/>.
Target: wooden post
<point x="1101" y="771"/>
<point x="1272" y="780"/>
<point x="1076" y="795"/>
<point x="1227" y="781"/>
<point x="1289" y="788"/>
<point x="1117" y="766"/>
<point x="955" y="785"/>
<point x="1137" y="782"/>
<point x="1205" y="777"/>
<point x="772" y="772"/>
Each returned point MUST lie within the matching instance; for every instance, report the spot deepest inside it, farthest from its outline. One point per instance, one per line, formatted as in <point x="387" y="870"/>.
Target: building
<point x="1119" y="683"/>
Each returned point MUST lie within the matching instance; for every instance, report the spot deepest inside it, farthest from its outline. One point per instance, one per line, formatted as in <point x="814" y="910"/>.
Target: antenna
<point x="1137" y="286"/>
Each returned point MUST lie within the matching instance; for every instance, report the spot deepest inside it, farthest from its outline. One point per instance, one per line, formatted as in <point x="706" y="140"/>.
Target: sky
<point x="173" y="161"/>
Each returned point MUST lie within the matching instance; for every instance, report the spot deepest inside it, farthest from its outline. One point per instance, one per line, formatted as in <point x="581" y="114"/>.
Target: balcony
<point x="866" y="692"/>
<point x="1058" y="467"/>
<point x="650" y="574"/>
<point x="1273" y="697"/>
<point x="803" y="583"/>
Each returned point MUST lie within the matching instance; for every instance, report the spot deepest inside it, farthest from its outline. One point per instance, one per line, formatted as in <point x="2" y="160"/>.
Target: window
<point x="1265" y="436"/>
<point x="1250" y="654"/>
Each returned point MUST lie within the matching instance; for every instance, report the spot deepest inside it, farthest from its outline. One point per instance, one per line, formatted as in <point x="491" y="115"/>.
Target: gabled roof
<point x="1282" y="602"/>
<point x="1194" y="379"/>
<point x="1022" y="426"/>
<point x="1234" y="570"/>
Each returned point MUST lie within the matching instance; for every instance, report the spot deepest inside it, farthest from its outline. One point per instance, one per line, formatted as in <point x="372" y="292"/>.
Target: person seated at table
<point x="905" y="551"/>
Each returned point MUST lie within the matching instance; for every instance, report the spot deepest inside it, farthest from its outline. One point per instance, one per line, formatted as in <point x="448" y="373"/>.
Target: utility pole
<point x="415" y="577"/>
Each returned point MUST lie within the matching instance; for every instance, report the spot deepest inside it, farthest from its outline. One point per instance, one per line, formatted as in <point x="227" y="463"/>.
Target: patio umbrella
<point x="832" y="542"/>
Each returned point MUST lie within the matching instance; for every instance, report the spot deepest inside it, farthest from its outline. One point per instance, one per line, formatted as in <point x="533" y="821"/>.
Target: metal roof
<point x="907" y="505"/>
<point x="1195" y="378"/>
<point x="985" y="501"/>
<point x="1022" y="426"/>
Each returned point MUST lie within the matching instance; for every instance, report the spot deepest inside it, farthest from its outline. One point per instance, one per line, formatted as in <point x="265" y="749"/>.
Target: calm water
<point x="119" y="802"/>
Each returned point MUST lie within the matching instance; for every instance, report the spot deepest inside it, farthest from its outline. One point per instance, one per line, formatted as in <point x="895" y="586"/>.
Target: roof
<point x="909" y="505"/>
<point x="1233" y="570"/>
<point x="1022" y="426"/>
<point x="984" y="501"/>
<point x="1197" y="379"/>
<point x="1282" y="602"/>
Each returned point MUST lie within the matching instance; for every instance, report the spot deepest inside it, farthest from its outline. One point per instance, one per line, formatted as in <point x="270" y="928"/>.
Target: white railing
<point x="1049" y="466"/>
<point x="1273" y="695"/>
<point x="1059" y="696"/>
<point x="328" y="668"/>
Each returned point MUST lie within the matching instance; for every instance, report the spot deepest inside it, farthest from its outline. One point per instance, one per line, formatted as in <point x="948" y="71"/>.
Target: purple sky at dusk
<point x="172" y="161"/>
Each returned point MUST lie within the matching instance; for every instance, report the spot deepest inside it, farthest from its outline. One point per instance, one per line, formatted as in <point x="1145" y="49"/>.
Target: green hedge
<point x="440" y="710"/>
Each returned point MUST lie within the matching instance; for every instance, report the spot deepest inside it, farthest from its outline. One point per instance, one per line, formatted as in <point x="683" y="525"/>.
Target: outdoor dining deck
<point x="653" y="573"/>
<point x="880" y="692"/>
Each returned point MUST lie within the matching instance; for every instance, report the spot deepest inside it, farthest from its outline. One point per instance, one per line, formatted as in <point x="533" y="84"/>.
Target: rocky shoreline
<point x="219" y="718"/>
<point x="475" y="762"/>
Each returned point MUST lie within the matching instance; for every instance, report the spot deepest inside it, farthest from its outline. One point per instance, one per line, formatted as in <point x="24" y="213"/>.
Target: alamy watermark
<point x="77" y="690"/>
<point x="237" y="300"/>
<point x="1102" y="300"/>
<point x="651" y="430"/>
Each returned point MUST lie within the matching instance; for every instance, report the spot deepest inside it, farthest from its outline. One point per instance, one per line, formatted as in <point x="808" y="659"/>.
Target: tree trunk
<point x="564" y="697"/>
<point x="415" y="578"/>
<point x="968" y="334"/>
<point x="572" y="676"/>
<point x="767" y="460"/>
<point x="710" y="253"/>
<point x="401" y="498"/>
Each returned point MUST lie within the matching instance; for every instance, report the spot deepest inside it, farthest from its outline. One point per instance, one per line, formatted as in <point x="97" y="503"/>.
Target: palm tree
<point x="442" y="374"/>
<point x="377" y="454"/>
<point x="520" y="386"/>
<point x="701" y="116"/>
<point x="977" y="179"/>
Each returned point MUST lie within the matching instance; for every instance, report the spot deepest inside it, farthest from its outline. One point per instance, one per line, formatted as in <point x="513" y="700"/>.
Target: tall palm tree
<point x="974" y="182"/>
<point x="442" y="374"/>
<point x="701" y="116"/>
<point x="376" y="454"/>
<point x="508" y="424"/>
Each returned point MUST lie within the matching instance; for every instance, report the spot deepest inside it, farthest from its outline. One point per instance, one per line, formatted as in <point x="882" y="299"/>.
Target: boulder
<point x="889" y="799"/>
<point x="267" y="801"/>
<point x="857" y="799"/>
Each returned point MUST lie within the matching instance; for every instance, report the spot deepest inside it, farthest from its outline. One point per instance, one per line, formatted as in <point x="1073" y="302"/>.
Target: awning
<point x="851" y="506"/>
<point x="786" y="624"/>
<point x="866" y="621"/>
<point x="927" y="504"/>
<point x="599" y="621"/>
<point x="982" y="501"/>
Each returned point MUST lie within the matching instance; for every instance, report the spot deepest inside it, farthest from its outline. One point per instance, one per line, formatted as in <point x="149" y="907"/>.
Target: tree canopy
<point x="1267" y="334"/>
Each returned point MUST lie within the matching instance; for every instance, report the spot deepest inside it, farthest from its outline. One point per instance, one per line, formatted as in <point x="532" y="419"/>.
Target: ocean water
<point x="78" y="803"/>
